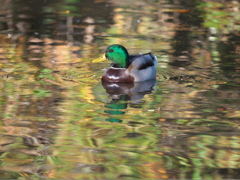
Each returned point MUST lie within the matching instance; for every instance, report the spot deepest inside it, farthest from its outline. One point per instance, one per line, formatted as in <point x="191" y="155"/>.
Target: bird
<point x="127" y="68"/>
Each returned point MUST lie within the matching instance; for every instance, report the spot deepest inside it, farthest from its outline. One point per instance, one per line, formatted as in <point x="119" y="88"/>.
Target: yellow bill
<point x="100" y="59"/>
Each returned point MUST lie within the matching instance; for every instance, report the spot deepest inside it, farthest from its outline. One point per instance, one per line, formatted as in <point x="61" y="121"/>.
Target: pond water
<point x="59" y="121"/>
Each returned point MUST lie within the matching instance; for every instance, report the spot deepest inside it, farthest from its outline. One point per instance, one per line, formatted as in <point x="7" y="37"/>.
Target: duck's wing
<point x="142" y="61"/>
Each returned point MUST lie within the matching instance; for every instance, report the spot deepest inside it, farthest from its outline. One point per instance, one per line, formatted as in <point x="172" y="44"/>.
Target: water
<point x="59" y="121"/>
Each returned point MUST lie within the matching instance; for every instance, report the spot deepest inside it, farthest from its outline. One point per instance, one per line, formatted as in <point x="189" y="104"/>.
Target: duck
<point x="127" y="68"/>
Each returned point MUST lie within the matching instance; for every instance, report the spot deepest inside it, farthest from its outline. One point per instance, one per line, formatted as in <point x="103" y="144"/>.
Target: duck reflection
<point x="122" y="94"/>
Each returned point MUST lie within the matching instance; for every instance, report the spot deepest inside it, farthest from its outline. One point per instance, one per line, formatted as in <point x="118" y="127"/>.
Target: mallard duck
<point x="128" y="68"/>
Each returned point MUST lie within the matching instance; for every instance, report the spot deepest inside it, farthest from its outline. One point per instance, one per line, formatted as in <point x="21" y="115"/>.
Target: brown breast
<point x="117" y="75"/>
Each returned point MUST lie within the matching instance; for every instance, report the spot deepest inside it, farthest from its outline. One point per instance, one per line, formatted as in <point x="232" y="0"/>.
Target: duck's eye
<point x="110" y="50"/>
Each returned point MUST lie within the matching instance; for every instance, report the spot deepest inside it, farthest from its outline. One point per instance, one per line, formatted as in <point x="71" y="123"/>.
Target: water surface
<point x="59" y="121"/>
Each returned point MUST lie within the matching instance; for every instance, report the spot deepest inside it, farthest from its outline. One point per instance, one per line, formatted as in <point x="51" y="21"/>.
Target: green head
<point x="118" y="54"/>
